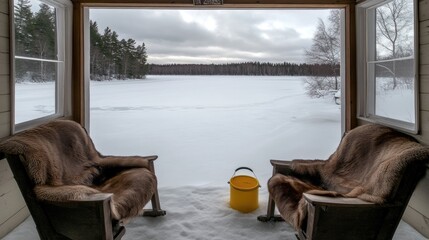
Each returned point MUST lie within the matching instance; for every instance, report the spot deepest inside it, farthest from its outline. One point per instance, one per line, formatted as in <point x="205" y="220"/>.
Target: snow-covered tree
<point x="325" y="50"/>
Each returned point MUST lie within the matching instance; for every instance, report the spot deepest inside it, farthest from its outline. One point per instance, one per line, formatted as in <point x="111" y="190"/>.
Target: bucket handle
<point x="245" y="168"/>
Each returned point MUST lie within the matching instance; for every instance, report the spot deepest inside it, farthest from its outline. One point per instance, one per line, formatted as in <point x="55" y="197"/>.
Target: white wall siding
<point x="417" y="213"/>
<point x="12" y="205"/>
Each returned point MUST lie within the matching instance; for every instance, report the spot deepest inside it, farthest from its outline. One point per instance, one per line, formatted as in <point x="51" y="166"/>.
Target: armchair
<point x="360" y="192"/>
<point x="74" y="192"/>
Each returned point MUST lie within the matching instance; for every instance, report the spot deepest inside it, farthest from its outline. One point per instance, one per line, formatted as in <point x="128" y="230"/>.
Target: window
<point x="42" y="60"/>
<point x="387" y="66"/>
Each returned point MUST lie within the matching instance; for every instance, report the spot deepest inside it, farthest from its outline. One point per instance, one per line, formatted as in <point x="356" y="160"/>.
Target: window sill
<point x="409" y="128"/>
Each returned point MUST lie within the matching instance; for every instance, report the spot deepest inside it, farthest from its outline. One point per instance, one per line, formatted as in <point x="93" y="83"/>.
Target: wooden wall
<point x="417" y="213"/>
<point x="12" y="206"/>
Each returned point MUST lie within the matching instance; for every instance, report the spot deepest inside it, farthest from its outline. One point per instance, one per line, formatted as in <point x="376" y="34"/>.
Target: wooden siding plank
<point x="4" y="69"/>
<point x="423" y="137"/>
<point x="424" y="54"/>
<point x="4" y="45"/>
<point x="4" y="84"/>
<point x="7" y="187"/>
<point x="417" y="220"/>
<point x="4" y="103"/>
<point x="10" y="203"/>
<point x="4" y="58"/>
<point x="424" y="122"/>
<point x="424" y="69"/>
<point x="424" y="84"/>
<point x="4" y="6"/>
<point x="5" y="175"/>
<point x="424" y="101"/>
<point x="4" y="119"/>
<point x="4" y="166"/>
<point x="424" y="32"/>
<point x="424" y="10"/>
<point x="5" y="129"/>
<point x="14" y="221"/>
<point x="4" y="23"/>
<point x="419" y="198"/>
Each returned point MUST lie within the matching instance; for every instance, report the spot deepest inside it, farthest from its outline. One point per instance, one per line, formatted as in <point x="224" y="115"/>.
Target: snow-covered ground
<point x="398" y="103"/>
<point x="203" y="128"/>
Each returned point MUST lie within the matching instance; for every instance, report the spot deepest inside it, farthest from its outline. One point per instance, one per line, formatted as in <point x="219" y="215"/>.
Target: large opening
<point x="213" y="90"/>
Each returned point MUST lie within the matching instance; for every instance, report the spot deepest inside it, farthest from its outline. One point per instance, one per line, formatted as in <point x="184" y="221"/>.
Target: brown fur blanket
<point x="368" y="164"/>
<point x="62" y="162"/>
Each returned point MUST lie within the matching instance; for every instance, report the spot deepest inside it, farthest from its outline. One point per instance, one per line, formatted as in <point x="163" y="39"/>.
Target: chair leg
<point x="270" y="212"/>
<point x="271" y="207"/>
<point x="156" y="205"/>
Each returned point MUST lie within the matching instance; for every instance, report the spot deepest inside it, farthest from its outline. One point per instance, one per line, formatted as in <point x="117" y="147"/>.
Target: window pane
<point x="394" y="90"/>
<point x="35" y="30"/>
<point x="35" y="89"/>
<point x="36" y="60"/>
<point x="394" y="30"/>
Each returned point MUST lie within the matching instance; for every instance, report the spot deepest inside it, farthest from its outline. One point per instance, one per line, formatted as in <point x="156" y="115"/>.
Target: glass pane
<point x="35" y="30"/>
<point x="394" y="90"/>
<point x="35" y="42"/>
<point x="394" y="34"/>
<point x="35" y="89"/>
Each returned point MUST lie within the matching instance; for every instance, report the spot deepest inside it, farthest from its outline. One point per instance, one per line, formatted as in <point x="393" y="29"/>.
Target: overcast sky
<point x="215" y="36"/>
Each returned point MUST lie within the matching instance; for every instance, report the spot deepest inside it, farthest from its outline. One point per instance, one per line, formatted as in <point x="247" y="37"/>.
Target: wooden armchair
<point x="74" y="192"/>
<point x="360" y="192"/>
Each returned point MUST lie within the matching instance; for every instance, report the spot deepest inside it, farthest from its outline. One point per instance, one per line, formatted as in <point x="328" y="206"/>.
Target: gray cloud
<point x="215" y="36"/>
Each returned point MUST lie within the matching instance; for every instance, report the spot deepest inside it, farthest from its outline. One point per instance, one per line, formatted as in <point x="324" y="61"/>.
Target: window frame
<point x="64" y="18"/>
<point x="365" y="29"/>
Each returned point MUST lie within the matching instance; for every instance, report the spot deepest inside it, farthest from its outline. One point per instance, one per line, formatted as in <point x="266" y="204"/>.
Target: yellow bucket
<point x="244" y="191"/>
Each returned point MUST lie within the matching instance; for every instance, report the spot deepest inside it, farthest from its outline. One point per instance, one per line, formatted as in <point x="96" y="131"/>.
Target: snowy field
<point x="203" y="128"/>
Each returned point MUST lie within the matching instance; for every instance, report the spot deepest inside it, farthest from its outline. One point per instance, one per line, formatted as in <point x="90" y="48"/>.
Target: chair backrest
<point x="57" y="153"/>
<point x="377" y="159"/>
<point x="376" y="164"/>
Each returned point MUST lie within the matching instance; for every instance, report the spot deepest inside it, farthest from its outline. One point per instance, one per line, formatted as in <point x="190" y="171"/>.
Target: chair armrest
<point x="127" y="161"/>
<point x="318" y="200"/>
<point x="87" y="218"/>
<point x="281" y="166"/>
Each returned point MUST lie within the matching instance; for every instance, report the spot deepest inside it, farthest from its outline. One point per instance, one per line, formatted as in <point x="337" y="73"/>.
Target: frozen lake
<point x="204" y="127"/>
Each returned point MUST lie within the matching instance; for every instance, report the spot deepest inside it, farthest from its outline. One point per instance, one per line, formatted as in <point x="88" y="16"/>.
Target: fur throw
<point x="368" y="164"/>
<point x="62" y="162"/>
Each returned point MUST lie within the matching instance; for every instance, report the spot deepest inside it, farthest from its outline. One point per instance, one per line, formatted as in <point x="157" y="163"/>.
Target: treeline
<point x="111" y="58"/>
<point x="247" y="68"/>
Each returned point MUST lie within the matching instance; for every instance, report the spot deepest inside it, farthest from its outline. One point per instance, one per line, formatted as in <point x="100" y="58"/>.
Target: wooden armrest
<point x="151" y="158"/>
<point x="275" y="162"/>
<point x="90" y="216"/>
<point x="127" y="161"/>
<point x="281" y="166"/>
<point x="336" y="201"/>
<point x="94" y="200"/>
